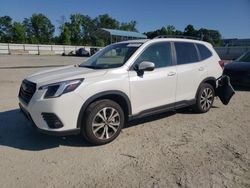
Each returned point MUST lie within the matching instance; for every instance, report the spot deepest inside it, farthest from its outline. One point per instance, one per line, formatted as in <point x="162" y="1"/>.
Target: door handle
<point x="201" y="69"/>
<point x="171" y="73"/>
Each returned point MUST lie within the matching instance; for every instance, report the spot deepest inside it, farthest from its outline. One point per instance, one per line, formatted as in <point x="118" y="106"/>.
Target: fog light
<point x="52" y="120"/>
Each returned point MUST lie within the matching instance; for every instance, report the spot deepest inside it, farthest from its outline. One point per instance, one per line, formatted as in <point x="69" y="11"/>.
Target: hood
<point x="64" y="73"/>
<point x="235" y="65"/>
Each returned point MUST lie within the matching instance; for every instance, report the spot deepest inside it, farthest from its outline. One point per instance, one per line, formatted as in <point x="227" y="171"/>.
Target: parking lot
<point x="174" y="149"/>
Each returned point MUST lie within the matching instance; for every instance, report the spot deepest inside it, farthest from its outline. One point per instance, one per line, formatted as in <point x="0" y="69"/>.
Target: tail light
<point x="222" y="64"/>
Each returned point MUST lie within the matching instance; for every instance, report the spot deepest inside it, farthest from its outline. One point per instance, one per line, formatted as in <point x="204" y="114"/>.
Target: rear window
<point x="204" y="52"/>
<point x="186" y="53"/>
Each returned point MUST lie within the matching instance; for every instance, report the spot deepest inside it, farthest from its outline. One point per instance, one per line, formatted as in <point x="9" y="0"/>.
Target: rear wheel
<point x="104" y="120"/>
<point x="204" y="99"/>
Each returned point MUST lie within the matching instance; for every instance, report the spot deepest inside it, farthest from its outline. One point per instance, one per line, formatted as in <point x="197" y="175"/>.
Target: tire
<point x="204" y="99"/>
<point x="103" y="122"/>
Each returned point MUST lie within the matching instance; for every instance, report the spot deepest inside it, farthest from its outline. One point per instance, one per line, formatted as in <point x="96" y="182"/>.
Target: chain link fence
<point x="232" y="52"/>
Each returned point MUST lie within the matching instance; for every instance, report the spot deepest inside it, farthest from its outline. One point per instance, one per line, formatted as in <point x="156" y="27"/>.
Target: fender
<point x="205" y="81"/>
<point x="100" y="95"/>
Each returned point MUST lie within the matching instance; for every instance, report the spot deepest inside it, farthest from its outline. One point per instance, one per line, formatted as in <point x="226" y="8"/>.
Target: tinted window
<point x="159" y="54"/>
<point x="186" y="53"/>
<point x="204" y="52"/>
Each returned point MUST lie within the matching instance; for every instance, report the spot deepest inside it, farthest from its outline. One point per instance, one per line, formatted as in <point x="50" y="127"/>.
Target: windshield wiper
<point x="90" y="67"/>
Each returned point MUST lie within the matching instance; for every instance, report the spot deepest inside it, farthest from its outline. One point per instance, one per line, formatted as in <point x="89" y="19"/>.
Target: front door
<point x="154" y="88"/>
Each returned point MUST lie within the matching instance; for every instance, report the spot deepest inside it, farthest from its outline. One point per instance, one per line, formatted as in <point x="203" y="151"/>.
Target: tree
<point x="18" y="33"/>
<point x="190" y="31"/>
<point x="212" y="36"/>
<point x="105" y="21"/>
<point x="5" y="29"/>
<point x="216" y="37"/>
<point x="39" y="29"/>
<point x="130" y="26"/>
<point x="64" y="37"/>
<point x="178" y="32"/>
<point x="89" y="25"/>
<point x="170" y="30"/>
<point x="75" y="28"/>
<point x="100" y="42"/>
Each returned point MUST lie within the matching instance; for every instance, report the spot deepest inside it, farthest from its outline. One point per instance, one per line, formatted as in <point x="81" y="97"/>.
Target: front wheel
<point x="103" y="122"/>
<point x="204" y="99"/>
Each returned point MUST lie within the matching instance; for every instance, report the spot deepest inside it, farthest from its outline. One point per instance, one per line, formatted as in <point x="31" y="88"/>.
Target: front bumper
<point x="48" y="132"/>
<point x="65" y="107"/>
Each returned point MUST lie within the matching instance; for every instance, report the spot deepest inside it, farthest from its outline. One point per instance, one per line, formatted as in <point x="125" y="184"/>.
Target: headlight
<point x="57" y="89"/>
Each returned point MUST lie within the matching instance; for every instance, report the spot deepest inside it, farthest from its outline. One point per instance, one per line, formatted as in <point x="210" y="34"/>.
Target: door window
<point x="158" y="53"/>
<point x="186" y="53"/>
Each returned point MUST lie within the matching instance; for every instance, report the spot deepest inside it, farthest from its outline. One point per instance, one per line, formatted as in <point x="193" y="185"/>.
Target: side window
<point x="204" y="52"/>
<point x="158" y="53"/>
<point x="186" y="53"/>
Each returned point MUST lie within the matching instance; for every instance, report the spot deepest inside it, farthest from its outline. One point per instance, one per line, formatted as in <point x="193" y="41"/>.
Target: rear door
<point x="191" y="71"/>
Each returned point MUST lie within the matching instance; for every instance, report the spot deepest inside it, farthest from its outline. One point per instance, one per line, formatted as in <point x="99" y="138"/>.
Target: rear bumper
<point x="48" y="132"/>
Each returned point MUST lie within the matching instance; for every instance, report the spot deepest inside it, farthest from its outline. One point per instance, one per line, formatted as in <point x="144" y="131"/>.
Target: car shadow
<point x="16" y="131"/>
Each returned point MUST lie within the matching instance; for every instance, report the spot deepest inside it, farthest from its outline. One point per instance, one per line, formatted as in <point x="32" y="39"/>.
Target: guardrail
<point x="226" y="53"/>
<point x="39" y="49"/>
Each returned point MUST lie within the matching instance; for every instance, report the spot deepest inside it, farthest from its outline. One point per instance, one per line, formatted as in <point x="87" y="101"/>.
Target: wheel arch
<point x="209" y="80"/>
<point x="118" y="96"/>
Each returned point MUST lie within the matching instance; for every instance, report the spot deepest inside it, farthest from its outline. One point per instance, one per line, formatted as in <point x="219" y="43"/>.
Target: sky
<point x="230" y="17"/>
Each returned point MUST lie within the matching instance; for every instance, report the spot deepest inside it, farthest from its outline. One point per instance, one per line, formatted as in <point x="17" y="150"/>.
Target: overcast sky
<point x="230" y="17"/>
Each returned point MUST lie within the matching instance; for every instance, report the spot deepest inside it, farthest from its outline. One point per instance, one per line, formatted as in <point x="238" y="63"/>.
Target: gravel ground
<point x="175" y="149"/>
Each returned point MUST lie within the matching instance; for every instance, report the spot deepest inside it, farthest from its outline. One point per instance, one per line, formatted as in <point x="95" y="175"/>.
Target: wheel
<point x="204" y="99"/>
<point x="104" y="120"/>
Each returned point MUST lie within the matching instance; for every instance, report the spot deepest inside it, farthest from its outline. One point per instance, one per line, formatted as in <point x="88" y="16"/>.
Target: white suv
<point x="121" y="82"/>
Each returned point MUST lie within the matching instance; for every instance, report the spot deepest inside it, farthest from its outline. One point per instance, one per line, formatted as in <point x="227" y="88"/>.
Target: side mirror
<point x="146" y="66"/>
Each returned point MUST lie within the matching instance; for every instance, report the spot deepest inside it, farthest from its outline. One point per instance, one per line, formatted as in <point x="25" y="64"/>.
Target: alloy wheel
<point x="106" y="123"/>
<point x="206" y="98"/>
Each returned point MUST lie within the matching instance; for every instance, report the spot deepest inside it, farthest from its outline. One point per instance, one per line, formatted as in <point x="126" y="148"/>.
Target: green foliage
<point x="100" y="42"/>
<point x="18" y="33"/>
<point x="80" y="28"/>
<point x="105" y="21"/>
<point x="39" y="29"/>
<point x="64" y="37"/>
<point x="130" y="26"/>
<point x="75" y="28"/>
<point x="212" y="36"/>
<point x="190" y="31"/>
<point x="5" y="29"/>
<point x="169" y="30"/>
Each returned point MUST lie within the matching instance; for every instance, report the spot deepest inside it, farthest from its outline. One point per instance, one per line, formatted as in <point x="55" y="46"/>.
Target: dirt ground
<point x="175" y="149"/>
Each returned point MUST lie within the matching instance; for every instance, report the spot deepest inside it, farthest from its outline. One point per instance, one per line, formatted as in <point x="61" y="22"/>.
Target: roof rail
<point x="177" y="36"/>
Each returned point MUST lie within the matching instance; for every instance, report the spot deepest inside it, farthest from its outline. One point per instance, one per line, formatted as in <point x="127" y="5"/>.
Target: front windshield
<point x="244" y="58"/>
<point x="112" y="56"/>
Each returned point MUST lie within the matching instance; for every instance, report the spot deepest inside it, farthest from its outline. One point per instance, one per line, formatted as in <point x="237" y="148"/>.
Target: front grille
<point x="27" y="91"/>
<point x="52" y="120"/>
